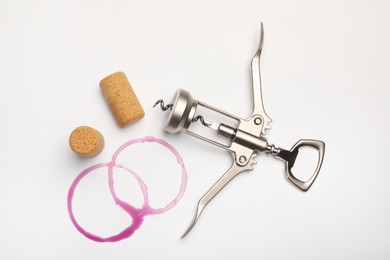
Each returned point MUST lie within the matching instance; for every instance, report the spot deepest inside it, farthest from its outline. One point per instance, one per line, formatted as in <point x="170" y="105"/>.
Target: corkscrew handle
<point x="290" y="157"/>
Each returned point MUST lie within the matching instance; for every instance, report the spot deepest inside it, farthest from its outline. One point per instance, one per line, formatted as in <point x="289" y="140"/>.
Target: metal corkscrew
<point x="245" y="140"/>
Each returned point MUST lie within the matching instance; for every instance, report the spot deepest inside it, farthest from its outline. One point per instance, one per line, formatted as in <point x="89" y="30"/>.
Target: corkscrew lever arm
<point x="233" y="171"/>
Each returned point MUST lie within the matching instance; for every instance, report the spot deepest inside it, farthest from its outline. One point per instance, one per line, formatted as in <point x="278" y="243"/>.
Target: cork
<point x="86" y="141"/>
<point x="121" y="99"/>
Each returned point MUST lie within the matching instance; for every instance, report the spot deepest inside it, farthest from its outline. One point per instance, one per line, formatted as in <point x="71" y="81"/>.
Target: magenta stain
<point x="137" y="214"/>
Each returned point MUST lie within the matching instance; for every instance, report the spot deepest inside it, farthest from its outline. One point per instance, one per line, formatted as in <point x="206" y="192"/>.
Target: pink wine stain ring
<point x="137" y="214"/>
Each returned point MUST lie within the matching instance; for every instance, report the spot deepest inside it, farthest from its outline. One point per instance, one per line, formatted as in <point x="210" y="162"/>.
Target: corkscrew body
<point x="245" y="139"/>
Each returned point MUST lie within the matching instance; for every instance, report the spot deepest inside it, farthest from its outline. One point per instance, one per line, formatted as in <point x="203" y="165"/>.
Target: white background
<point x="325" y="75"/>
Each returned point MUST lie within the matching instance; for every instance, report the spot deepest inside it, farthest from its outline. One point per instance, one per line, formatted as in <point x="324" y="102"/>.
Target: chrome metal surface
<point x="258" y="107"/>
<point x="182" y="113"/>
<point x="246" y="139"/>
<point x="233" y="171"/>
<point x="290" y="157"/>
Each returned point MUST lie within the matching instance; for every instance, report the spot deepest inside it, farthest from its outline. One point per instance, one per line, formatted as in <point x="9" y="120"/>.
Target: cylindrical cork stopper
<point x="121" y="98"/>
<point x="86" y="141"/>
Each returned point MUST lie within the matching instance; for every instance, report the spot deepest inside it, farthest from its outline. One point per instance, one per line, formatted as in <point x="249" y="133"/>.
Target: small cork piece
<point x="121" y="99"/>
<point x="86" y="141"/>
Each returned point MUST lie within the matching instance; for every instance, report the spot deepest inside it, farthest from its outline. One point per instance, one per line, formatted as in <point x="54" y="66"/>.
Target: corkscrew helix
<point x="246" y="140"/>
